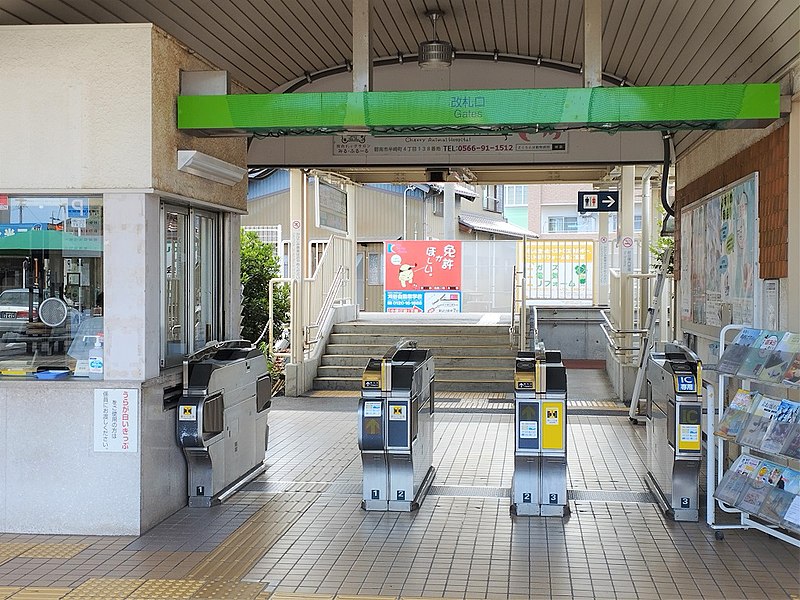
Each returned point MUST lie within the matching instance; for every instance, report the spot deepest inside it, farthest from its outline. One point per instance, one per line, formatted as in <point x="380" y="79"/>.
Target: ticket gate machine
<point x="539" y="485"/>
<point x="395" y="429"/>
<point x="674" y="417"/>
<point x="221" y="423"/>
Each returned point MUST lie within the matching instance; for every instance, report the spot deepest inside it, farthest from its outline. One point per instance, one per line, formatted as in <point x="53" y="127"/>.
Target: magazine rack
<point x="763" y="485"/>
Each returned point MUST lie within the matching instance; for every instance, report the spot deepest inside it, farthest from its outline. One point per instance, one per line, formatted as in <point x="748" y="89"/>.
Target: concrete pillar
<point x="352" y="236"/>
<point x="449" y="213"/>
<point x="592" y="43"/>
<point x="604" y="260"/>
<point x="645" y="298"/>
<point x="625" y="240"/>
<point x="297" y="258"/>
<point x="362" y="45"/>
<point x="131" y="316"/>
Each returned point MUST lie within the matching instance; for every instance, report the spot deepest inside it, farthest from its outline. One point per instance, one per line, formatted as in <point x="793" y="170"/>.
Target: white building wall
<point x="76" y="107"/>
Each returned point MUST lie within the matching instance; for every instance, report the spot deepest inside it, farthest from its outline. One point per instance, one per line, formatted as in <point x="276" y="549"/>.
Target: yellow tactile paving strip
<point x="171" y="589"/>
<point x="234" y="558"/>
<point x="96" y="588"/>
<point x="54" y="551"/>
<point x="41" y="593"/>
<point x="9" y="550"/>
<point x="166" y="589"/>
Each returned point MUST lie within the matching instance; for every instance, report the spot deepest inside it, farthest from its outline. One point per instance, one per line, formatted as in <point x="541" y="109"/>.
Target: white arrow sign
<point x="609" y="200"/>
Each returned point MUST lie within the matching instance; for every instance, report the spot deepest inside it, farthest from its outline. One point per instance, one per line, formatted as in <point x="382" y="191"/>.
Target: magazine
<point x="758" y="486"/>
<point x="735" y="415"/>
<point x="735" y="480"/>
<point x="780" y="426"/>
<point x="792" y="446"/>
<point x="764" y="346"/>
<point x="778" y="362"/>
<point x="791" y="518"/>
<point x="792" y="375"/>
<point x="735" y="353"/>
<point x="752" y="434"/>
<point x="780" y="498"/>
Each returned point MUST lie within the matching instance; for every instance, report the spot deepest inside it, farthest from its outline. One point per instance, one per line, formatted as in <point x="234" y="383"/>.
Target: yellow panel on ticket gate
<point x="552" y="424"/>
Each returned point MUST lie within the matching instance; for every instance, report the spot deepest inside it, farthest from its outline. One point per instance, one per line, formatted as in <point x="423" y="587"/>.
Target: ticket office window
<point x="191" y="282"/>
<point x="51" y="284"/>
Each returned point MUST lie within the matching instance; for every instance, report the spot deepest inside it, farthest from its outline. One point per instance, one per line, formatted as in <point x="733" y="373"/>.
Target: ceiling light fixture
<point x="203" y="165"/>
<point x="435" y="53"/>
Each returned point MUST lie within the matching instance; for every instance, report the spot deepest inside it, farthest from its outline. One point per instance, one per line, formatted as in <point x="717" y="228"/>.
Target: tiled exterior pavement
<point x="298" y="531"/>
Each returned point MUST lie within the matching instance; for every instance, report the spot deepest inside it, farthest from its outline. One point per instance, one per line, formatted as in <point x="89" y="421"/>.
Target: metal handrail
<point x="609" y="326"/>
<point x="327" y="306"/>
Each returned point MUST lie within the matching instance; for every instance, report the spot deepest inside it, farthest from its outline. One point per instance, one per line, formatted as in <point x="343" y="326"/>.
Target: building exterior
<point x="384" y="212"/>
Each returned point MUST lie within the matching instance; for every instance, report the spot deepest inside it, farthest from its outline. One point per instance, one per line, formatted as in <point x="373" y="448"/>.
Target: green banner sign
<point x="484" y="111"/>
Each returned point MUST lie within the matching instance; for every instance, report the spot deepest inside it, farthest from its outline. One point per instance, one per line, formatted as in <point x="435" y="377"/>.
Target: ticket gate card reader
<point x="396" y="429"/>
<point x="221" y="422"/>
<point x="674" y="417"/>
<point x="539" y="485"/>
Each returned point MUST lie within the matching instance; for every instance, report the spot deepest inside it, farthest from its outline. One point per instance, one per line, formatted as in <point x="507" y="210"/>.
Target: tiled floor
<point x="298" y="531"/>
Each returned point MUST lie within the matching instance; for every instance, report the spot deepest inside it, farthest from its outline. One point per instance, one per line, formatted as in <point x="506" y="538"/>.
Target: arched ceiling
<point x="268" y="44"/>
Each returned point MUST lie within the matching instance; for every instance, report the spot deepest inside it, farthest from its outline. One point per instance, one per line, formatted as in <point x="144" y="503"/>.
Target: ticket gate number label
<point x="187" y="413"/>
<point x="553" y="426"/>
<point x="372" y="409"/>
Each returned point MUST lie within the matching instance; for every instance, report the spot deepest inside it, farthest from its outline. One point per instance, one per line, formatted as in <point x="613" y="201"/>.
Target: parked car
<point x="14" y="309"/>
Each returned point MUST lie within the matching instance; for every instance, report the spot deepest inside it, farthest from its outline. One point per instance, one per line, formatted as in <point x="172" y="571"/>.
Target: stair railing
<point x="326" y="290"/>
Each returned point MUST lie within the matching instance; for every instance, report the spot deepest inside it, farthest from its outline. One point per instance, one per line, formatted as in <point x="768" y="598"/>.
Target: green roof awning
<point x="722" y="106"/>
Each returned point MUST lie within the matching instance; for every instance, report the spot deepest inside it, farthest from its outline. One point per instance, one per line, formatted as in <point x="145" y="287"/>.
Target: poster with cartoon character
<point x="418" y="271"/>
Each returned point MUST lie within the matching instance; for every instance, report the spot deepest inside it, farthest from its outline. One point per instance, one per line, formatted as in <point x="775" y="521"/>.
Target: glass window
<point x="562" y="224"/>
<point x="515" y="195"/>
<point x="51" y="285"/>
<point x="191" y="300"/>
<point x="176" y="282"/>
<point x="204" y="278"/>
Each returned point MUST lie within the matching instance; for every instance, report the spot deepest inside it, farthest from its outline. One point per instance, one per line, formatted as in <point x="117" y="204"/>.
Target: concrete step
<point x="378" y="350"/>
<point x="467" y="372"/>
<point x="423" y="341"/>
<point x="441" y="361"/>
<point x="441" y="385"/>
<point x="420" y="329"/>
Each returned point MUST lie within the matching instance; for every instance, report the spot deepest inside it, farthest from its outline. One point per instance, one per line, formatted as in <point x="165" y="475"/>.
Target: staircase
<point x="467" y="357"/>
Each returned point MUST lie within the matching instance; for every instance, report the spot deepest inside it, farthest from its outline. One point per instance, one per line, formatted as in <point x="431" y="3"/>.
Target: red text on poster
<point x="423" y="265"/>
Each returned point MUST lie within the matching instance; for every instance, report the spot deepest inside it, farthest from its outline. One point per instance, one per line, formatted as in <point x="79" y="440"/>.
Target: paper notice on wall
<point x="116" y="420"/>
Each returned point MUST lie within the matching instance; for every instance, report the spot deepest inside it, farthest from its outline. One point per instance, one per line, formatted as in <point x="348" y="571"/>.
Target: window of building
<point x="493" y="198"/>
<point x="562" y="224"/>
<point x="192" y="305"/>
<point x="51" y="283"/>
<point x="612" y="222"/>
<point x="515" y="195"/>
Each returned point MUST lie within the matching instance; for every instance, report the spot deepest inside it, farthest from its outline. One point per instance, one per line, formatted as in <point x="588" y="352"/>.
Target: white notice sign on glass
<point x="528" y="430"/>
<point x="116" y="420"/>
<point x="372" y="409"/>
